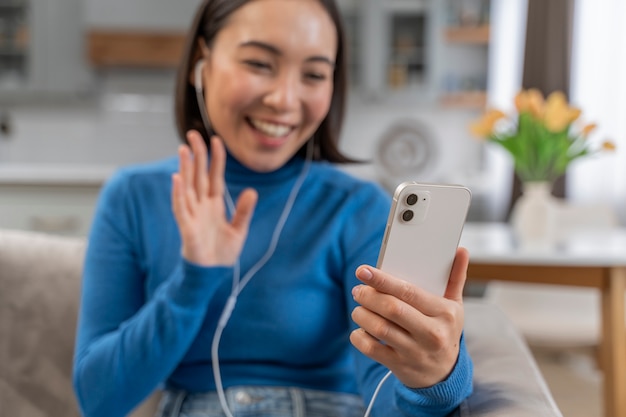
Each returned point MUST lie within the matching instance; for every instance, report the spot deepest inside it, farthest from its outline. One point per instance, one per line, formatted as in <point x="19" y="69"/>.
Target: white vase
<point x="534" y="216"/>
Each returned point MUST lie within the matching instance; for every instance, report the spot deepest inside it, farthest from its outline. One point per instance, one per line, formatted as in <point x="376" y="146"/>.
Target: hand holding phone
<point x="419" y="246"/>
<point x="422" y="233"/>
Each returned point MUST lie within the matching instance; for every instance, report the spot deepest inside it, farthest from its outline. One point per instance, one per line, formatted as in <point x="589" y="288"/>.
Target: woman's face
<point x="268" y="79"/>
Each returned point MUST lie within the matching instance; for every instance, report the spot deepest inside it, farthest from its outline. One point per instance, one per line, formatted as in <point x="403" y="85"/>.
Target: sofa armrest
<point x="40" y="283"/>
<point x="40" y="277"/>
<point x="507" y="380"/>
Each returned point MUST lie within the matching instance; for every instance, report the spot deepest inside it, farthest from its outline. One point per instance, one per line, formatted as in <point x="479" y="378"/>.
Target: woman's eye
<point x="257" y="64"/>
<point x="315" y="76"/>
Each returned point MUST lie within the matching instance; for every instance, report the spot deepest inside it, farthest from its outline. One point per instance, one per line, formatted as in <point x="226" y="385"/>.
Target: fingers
<point x="398" y="288"/>
<point x="185" y="166"/>
<point x="244" y="209"/>
<point x="192" y="183"/>
<point x="193" y="169"/>
<point x="380" y="328"/>
<point x="185" y="190"/>
<point x="409" y="330"/>
<point x="200" y="162"/>
<point x="386" y="317"/>
<point x="373" y="348"/>
<point x="413" y="294"/>
<point x="217" y="167"/>
<point x="179" y="200"/>
<point x="458" y="276"/>
<point x="408" y="305"/>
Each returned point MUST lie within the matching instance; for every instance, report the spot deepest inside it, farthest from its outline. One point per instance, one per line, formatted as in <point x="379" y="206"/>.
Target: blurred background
<point x="86" y="86"/>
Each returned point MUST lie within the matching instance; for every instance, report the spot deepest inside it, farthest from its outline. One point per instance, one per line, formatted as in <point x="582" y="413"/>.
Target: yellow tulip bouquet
<point x="541" y="137"/>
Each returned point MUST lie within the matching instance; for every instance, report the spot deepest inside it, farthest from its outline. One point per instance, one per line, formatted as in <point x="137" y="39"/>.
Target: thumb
<point x="244" y="209"/>
<point x="458" y="276"/>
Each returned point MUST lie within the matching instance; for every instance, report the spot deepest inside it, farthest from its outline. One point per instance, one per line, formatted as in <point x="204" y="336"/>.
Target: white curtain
<point x="598" y="87"/>
<point x="506" y="62"/>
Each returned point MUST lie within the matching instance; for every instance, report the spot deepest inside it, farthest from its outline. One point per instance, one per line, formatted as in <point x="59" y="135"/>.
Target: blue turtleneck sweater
<point x="147" y="316"/>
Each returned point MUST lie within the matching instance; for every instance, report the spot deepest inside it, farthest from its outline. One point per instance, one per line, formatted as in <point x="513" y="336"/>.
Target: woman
<point x="255" y="306"/>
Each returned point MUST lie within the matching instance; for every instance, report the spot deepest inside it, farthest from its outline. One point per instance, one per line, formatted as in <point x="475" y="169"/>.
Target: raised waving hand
<point x="208" y="237"/>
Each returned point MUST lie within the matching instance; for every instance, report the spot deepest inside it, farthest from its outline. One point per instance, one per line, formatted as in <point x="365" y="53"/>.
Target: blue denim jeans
<point x="252" y="401"/>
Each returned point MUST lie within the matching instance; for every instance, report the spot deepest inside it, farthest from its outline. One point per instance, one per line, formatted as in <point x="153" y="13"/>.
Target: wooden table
<point x="587" y="258"/>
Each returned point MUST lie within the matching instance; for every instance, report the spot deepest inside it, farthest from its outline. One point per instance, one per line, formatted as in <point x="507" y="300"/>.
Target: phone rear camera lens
<point x="411" y="199"/>
<point x="407" y="215"/>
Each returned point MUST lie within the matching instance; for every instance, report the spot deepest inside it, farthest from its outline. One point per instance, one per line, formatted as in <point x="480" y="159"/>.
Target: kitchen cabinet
<point x="121" y="34"/>
<point x="41" y="49"/>
<point x="391" y="41"/>
<point x="465" y="36"/>
<point x="407" y="51"/>
<point x="431" y="52"/>
<point x="394" y="47"/>
<point x="414" y="51"/>
<point x="14" y="42"/>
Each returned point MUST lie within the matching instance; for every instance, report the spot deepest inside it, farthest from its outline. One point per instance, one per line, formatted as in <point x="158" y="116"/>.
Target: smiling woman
<point x="228" y="274"/>
<point x="267" y="92"/>
<point x="327" y="62"/>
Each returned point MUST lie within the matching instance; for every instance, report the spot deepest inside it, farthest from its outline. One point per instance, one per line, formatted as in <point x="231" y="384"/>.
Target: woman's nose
<point x="284" y="93"/>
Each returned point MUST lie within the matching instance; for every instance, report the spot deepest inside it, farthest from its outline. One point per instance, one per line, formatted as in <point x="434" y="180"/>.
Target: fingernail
<point x="365" y="274"/>
<point x="355" y="291"/>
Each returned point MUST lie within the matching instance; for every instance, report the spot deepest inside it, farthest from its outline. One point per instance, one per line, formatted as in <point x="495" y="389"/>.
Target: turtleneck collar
<point x="237" y="173"/>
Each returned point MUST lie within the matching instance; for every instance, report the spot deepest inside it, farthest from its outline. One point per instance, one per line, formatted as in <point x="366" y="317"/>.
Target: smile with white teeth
<point x="271" y="129"/>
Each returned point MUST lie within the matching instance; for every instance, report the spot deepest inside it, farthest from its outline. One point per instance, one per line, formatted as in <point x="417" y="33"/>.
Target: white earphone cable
<point x="376" y="391"/>
<point x="238" y="283"/>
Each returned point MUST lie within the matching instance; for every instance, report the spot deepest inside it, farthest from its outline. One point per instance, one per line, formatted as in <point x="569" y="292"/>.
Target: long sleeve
<point x="147" y="318"/>
<point x="126" y="346"/>
<point x="395" y="399"/>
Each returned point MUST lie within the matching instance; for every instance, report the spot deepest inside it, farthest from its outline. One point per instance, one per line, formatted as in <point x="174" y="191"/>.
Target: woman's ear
<point x="202" y="52"/>
<point x="197" y="75"/>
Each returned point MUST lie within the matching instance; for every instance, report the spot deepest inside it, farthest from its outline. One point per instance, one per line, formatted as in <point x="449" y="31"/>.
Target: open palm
<point x="208" y="237"/>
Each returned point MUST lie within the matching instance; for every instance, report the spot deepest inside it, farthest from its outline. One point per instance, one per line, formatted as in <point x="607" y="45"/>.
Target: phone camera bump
<point x="407" y="215"/>
<point x="411" y="199"/>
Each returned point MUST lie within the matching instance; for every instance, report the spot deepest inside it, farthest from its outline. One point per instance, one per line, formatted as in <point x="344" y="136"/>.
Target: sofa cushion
<point x="40" y="279"/>
<point x="507" y="380"/>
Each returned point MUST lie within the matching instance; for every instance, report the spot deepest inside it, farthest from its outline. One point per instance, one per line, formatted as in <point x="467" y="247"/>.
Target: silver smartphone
<point x="423" y="232"/>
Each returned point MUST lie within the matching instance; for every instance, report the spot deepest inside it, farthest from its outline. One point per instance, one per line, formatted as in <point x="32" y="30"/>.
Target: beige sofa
<point x="39" y="291"/>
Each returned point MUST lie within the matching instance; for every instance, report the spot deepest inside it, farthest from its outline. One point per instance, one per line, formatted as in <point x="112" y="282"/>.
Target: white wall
<point x="457" y="157"/>
<point x="598" y="87"/>
<point x="134" y="122"/>
<point x="506" y="61"/>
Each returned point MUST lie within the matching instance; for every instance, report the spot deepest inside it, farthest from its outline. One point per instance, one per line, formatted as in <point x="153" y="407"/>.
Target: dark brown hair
<point x="210" y="18"/>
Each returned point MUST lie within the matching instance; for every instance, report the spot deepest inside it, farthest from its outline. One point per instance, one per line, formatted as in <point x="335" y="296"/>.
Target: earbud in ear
<point x="197" y="75"/>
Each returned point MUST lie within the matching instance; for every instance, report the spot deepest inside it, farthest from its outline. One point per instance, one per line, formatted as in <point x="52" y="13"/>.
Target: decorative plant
<point x="541" y="136"/>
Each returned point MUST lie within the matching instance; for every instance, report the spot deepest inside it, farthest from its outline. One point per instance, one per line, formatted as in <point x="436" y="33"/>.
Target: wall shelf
<point x="465" y="99"/>
<point x="114" y="48"/>
<point x="468" y="34"/>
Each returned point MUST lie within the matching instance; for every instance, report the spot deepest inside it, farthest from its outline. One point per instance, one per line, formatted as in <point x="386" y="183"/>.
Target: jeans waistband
<point x="254" y="401"/>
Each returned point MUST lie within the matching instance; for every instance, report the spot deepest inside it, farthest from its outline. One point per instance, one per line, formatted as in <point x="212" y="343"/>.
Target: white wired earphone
<point x="238" y="282"/>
